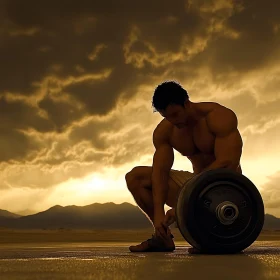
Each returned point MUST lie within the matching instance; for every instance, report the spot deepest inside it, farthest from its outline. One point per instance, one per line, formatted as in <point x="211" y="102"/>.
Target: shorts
<point x="180" y="177"/>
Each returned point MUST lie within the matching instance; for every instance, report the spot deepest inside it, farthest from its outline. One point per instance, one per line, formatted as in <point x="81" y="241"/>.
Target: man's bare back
<point x="195" y="141"/>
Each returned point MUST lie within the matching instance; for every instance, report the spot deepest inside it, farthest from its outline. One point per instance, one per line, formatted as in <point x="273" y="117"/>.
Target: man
<point x="205" y="132"/>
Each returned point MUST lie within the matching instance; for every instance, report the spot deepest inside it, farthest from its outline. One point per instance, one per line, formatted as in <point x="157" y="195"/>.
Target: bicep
<point x="228" y="148"/>
<point x="163" y="158"/>
<point x="228" y="142"/>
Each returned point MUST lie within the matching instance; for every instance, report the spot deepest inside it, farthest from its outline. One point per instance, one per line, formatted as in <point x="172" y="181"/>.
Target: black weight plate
<point x="196" y="216"/>
<point x="216" y="194"/>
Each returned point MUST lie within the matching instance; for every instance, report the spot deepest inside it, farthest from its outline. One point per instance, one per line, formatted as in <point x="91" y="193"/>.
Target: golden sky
<point x="77" y="82"/>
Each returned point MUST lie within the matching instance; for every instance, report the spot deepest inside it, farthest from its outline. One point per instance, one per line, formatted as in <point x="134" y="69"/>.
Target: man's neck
<point x="194" y="116"/>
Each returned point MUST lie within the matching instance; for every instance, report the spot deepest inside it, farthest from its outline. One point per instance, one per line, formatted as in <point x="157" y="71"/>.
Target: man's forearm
<point x="160" y="191"/>
<point x="219" y="164"/>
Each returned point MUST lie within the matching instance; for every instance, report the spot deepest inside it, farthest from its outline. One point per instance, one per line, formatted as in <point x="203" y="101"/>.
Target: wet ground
<point x="114" y="261"/>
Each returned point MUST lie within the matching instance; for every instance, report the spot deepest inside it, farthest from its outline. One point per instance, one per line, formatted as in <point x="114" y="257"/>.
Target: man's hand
<point x="161" y="231"/>
<point x="162" y="224"/>
<point x="169" y="218"/>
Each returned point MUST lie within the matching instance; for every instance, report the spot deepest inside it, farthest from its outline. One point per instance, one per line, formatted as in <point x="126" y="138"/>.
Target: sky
<point x="77" y="82"/>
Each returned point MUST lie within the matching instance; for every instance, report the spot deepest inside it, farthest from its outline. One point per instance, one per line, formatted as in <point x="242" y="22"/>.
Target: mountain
<point x="7" y="214"/>
<point x="26" y="212"/>
<point x="93" y="216"/>
<point x="271" y="222"/>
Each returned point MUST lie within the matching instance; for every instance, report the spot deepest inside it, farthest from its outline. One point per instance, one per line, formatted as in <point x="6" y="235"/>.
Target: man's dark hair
<point x="167" y="93"/>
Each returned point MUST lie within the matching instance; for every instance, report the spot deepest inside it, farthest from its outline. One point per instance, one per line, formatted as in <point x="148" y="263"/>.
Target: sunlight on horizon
<point x="110" y="186"/>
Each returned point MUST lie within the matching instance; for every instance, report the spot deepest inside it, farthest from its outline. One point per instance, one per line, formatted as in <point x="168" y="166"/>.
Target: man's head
<point x="171" y="101"/>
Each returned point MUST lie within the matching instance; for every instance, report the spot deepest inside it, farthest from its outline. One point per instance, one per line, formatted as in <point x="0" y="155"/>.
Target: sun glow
<point x="93" y="183"/>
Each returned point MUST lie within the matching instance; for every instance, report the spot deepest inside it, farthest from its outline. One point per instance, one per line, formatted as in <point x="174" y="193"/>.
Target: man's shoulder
<point x="212" y="109"/>
<point x="163" y="130"/>
<point x="221" y="119"/>
<point x="207" y="107"/>
<point x="215" y="109"/>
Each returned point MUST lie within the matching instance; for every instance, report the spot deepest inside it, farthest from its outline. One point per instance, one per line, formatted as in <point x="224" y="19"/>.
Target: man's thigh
<point x="176" y="180"/>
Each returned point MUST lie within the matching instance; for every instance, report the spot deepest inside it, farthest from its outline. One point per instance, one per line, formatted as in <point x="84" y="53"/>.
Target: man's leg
<point x="140" y="185"/>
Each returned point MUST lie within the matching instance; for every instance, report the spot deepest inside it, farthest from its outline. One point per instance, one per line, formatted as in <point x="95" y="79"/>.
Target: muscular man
<point x="204" y="132"/>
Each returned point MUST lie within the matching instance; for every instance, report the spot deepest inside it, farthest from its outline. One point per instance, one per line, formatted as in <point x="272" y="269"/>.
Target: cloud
<point x="87" y="146"/>
<point x="256" y="44"/>
<point x="271" y="193"/>
<point x="77" y="80"/>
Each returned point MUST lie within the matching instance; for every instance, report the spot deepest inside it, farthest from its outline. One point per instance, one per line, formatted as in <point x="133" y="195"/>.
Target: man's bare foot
<point x="193" y="250"/>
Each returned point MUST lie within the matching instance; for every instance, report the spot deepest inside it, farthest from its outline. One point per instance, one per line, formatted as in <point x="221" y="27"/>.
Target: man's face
<point x="176" y="114"/>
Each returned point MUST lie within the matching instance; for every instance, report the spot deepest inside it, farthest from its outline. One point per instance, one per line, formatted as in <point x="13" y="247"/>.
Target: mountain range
<point x="94" y="216"/>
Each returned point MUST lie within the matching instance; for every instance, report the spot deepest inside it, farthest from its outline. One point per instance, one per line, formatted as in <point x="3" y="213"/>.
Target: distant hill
<point x="7" y="214"/>
<point x="271" y="222"/>
<point x="93" y="216"/>
<point x="26" y="212"/>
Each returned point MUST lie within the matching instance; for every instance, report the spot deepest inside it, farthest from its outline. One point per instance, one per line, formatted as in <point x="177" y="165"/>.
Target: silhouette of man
<point x="204" y="132"/>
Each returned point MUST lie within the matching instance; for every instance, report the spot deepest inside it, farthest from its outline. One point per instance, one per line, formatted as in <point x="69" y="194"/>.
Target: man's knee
<point x="129" y="178"/>
<point x="134" y="178"/>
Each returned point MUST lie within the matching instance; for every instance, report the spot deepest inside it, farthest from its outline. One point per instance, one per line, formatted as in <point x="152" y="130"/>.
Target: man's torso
<point x="197" y="142"/>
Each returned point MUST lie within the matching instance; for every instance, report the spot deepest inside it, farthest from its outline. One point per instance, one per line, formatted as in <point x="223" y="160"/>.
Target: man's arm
<point x="223" y="123"/>
<point x="162" y="162"/>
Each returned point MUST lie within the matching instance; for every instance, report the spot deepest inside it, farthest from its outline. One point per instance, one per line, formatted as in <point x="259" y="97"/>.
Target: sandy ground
<point x="41" y="255"/>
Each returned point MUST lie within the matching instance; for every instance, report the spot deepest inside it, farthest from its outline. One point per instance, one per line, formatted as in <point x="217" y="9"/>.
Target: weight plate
<point x="205" y="205"/>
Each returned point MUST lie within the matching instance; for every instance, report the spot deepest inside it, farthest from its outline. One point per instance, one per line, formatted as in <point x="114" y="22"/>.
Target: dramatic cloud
<point x="271" y="194"/>
<point x="77" y="82"/>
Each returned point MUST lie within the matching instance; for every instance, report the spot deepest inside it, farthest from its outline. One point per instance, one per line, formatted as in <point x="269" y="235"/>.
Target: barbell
<point x="220" y="212"/>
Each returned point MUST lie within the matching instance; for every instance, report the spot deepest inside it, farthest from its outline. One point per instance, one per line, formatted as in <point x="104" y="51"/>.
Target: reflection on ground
<point x="107" y="261"/>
